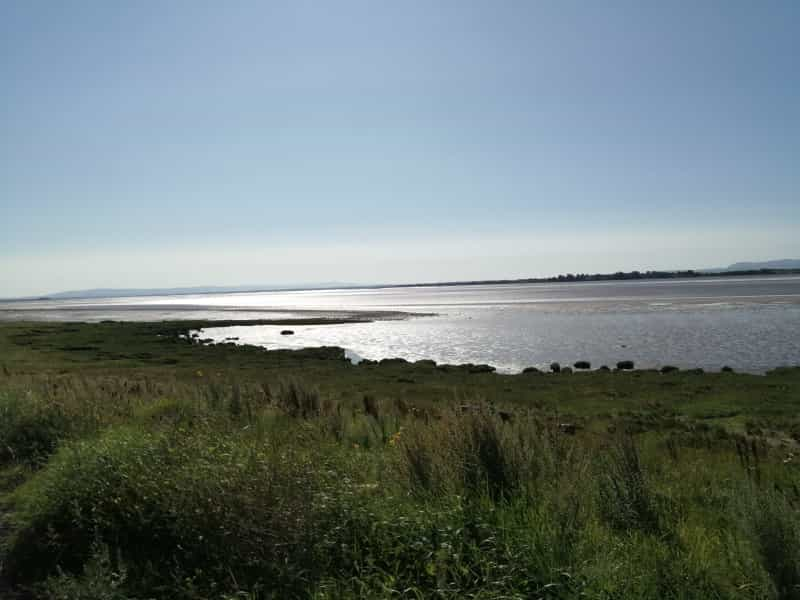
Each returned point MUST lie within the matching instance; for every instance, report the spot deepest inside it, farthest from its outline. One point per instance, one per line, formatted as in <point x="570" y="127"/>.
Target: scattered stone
<point x="625" y="365"/>
<point x="583" y="364"/>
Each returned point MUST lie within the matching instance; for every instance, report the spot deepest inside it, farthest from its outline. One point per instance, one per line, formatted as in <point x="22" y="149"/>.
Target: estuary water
<point x="749" y="323"/>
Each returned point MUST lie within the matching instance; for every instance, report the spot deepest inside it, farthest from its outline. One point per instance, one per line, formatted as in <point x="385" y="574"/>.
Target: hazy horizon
<point x="212" y="288"/>
<point x="147" y="145"/>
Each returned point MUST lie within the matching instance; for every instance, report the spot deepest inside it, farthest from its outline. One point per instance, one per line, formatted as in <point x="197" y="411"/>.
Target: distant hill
<point x="786" y="263"/>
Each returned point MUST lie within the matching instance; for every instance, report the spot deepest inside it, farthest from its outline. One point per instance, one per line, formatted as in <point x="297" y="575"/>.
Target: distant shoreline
<point x="619" y="276"/>
<point x="297" y="316"/>
<point x="562" y="278"/>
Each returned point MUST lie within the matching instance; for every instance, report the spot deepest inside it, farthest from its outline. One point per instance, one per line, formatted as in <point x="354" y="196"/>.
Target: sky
<point x="178" y="143"/>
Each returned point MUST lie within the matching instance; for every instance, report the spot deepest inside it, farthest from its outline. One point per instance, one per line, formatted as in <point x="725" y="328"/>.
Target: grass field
<point x="138" y="463"/>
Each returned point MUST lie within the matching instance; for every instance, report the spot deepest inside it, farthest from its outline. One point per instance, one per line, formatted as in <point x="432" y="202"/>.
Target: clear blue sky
<point x="148" y="144"/>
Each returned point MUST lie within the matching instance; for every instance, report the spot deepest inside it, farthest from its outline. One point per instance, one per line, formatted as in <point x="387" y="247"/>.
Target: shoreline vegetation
<point x="137" y="462"/>
<point x="616" y="276"/>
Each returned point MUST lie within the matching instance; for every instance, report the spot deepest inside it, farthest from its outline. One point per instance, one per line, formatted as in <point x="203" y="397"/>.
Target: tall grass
<point x="626" y="500"/>
<point x="229" y="490"/>
<point x="774" y="521"/>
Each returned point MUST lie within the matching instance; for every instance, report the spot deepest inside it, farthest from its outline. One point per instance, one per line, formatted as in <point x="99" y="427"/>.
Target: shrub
<point x="210" y="509"/>
<point x="30" y="430"/>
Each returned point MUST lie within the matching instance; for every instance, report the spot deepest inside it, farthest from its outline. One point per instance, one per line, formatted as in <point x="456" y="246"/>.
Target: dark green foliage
<point x="30" y="431"/>
<point x="448" y="551"/>
<point x="233" y="511"/>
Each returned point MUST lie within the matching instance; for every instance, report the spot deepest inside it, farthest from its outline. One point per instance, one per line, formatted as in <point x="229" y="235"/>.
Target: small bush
<point x="30" y="430"/>
<point x="200" y="507"/>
